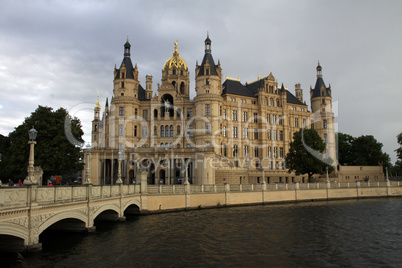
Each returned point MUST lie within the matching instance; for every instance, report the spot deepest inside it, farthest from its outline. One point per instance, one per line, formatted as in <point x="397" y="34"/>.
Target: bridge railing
<point x="16" y="197"/>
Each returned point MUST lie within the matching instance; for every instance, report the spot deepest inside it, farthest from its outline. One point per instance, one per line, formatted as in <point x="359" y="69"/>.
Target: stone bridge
<point x="25" y="212"/>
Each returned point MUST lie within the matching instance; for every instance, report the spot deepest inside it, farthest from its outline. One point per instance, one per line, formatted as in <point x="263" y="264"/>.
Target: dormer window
<point x="207" y="71"/>
<point x="207" y="81"/>
<point x="174" y="71"/>
<point x="122" y="75"/>
<point x="122" y="84"/>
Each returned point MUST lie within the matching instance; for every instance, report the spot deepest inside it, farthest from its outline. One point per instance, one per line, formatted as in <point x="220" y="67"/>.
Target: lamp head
<point x="32" y="134"/>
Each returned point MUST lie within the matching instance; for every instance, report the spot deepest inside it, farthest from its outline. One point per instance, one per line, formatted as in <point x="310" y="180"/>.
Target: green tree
<point x="54" y="153"/>
<point x="367" y="151"/>
<point x="345" y="149"/>
<point x="399" y="150"/>
<point x="300" y="158"/>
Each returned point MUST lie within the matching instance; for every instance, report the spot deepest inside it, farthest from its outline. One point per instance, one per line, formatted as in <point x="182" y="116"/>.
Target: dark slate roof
<point x="290" y="98"/>
<point x="129" y="67"/>
<point x="208" y="56"/>
<point x="317" y="89"/>
<point x="141" y="93"/>
<point x="236" y="88"/>
<point x="254" y="86"/>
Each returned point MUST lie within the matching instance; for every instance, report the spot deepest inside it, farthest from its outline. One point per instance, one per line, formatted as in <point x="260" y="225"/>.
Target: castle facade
<point x="229" y="133"/>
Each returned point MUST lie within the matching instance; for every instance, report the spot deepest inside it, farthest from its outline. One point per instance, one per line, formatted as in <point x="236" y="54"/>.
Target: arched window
<point x="174" y="84"/>
<point x="162" y="131"/>
<point x="171" y="131"/>
<point x="135" y="131"/>
<point x="155" y="113"/>
<point x="277" y="103"/>
<point x="166" y="131"/>
<point x="182" y="87"/>
<point x="178" y="130"/>
<point x="266" y="101"/>
<point x="162" y="145"/>
<point x="271" y="102"/>
<point x="155" y="131"/>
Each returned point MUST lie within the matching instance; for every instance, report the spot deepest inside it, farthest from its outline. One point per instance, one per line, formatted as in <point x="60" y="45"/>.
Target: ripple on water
<point x="363" y="233"/>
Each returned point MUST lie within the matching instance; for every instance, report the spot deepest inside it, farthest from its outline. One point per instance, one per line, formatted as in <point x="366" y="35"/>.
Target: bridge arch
<point x="113" y="207"/>
<point x="14" y="230"/>
<point x="62" y="216"/>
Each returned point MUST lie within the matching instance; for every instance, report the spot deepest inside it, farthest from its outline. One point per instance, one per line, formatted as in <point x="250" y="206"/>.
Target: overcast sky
<point x="62" y="53"/>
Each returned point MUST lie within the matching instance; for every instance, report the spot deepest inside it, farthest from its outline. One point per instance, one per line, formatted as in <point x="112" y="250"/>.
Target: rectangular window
<point x="271" y="165"/>
<point x="268" y="119"/>
<point x="281" y="152"/>
<point x="145" y="115"/>
<point x="121" y="130"/>
<point x="275" y="152"/>
<point x="190" y="131"/>
<point x="225" y="150"/>
<point x="275" y="135"/>
<point x="224" y="131"/>
<point x="255" y="118"/>
<point x="189" y="113"/>
<point x="269" y="151"/>
<point x="245" y="117"/>
<point x="325" y="137"/>
<point x="207" y="109"/>
<point x="207" y="144"/>
<point x="234" y="132"/>
<point x="256" y="133"/>
<point x="245" y="150"/>
<point x="145" y="132"/>
<point x="235" y="153"/>
<point x="121" y="111"/>
<point x="207" y="128"/>
<point x="304" y="122"/>
<point x="224" y="114"/>
<point x="255" y="151"/>
<point x="325" y="123"/>
<point x="269" y="134"/>
<point x="245" y="133"/>
<point x="280" y="135"/>
<point x="234" y="115"/>
<point x="274" y="119"/>
<point x="296" y="122"/>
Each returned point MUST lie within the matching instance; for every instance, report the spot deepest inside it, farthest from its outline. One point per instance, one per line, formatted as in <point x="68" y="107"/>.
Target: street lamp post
<point x="327" y="173"/>
<point x="87" y="168"/>
<point x="30" y="179"/>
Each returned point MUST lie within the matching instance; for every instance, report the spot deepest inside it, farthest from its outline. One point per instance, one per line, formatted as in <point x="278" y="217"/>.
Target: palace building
<point x="229" y="133"/>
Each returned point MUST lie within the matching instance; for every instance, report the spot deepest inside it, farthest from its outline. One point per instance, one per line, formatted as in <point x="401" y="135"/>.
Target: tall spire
<point x="319" y="69"/>
<point x="127" y="47"/>
<point x="207" y="44"/>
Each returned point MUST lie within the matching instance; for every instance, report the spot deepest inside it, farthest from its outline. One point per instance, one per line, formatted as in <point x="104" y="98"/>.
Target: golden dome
<point x="175" y="61"/>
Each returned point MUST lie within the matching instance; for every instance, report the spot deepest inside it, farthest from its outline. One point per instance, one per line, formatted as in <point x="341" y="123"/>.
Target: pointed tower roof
<point x="320" y="84"/>
<point x="126" y="62"/>
<point x="208" y="57"/>
<point x="97" y="105"/>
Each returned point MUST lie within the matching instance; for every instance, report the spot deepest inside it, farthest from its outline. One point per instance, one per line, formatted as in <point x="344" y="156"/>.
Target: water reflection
<point x="363" y="233"/>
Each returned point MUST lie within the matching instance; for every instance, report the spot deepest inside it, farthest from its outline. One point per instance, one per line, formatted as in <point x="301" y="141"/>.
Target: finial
<point x="318" y="63"/>
<point x="176" y="52"/>
<point x="207" y="34"/>
<point x="127" y="38"/>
